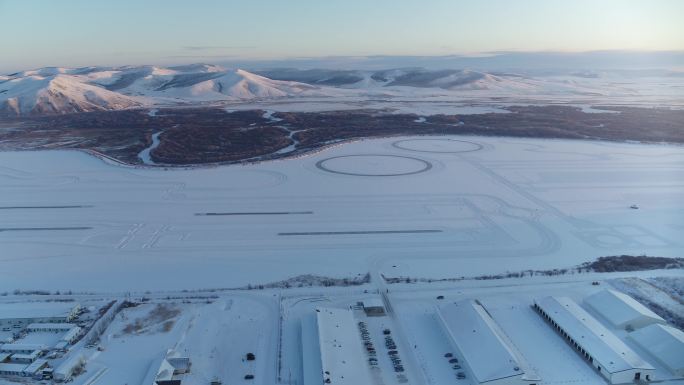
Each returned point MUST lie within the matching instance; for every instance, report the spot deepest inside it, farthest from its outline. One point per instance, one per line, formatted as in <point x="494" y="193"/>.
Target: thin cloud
<point x="216" y="47"/>
<point x="201" y="56"/>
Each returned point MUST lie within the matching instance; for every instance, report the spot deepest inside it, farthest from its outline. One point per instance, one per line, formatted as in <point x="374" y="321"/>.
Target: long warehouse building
<point x="613" y="359"/>
<point x="665" y="343"/>
<point x="481" y="344"/>
<point x="332" y="349"/>
<point x="621" y="310"/>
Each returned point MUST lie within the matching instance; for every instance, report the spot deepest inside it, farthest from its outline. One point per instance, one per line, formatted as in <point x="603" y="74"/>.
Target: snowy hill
<point x="66" y="90"/>
<point x="37" y="93"/>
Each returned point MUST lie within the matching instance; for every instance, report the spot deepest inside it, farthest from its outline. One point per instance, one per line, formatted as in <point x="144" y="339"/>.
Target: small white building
<point x="50" y="327"/>
<point x="26" y="358"/>
<point x="621" y="310"/>
<point x="480" y="343"/>
<point x="70" y="332"/>
<point x="35" y="367"/>
<point x="70" y="335"/>
<point x="374" y="307"/>
<point x="166" y="368"/>
<point x="12" y="369"/>
<point x="664" y="343"/>
<point x="67" y="368"/>
<point x="613" y="359"/>
<point x="21" y="348"/>
<point x="22" y="370"/>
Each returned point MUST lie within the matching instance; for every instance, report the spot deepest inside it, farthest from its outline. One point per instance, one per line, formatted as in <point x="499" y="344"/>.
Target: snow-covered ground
<point x="484" y="205"/>
<point x="217" y="329"/>
<point x="216" y="335"/>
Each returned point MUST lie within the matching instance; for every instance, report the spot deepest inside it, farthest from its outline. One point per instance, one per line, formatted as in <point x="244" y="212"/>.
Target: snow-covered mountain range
<point x="66" y="90"/>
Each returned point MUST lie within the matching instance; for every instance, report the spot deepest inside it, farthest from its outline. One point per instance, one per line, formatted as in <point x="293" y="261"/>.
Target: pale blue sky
<point x="38" y="33"/>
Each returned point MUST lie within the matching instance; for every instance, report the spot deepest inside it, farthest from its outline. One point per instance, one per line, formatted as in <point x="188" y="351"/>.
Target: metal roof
<point x="664" y="343"/>
<point x="342" y="355"/>
<point x="599" y="342"/>
<point x="36" y="309"/>
<point x="619" y="308"/>
<point x="478" y="338"/>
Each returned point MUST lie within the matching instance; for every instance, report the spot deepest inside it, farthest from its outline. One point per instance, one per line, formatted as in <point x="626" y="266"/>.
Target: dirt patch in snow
<point x="160" y="319"/>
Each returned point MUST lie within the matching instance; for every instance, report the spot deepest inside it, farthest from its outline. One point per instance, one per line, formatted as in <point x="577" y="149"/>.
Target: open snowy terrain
<point x="421" y="207"/>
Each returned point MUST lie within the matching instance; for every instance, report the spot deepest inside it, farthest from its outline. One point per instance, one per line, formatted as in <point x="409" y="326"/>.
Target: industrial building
<point x="70" y="332"/>
<point x="22" y="370"/>
<point x="485" y="351"/>
<point x="25" y="358"/>
<point x="665" y="344"/>
<point x="621" y="311"/>
<point x="17" y="316"/>
<point x="599" y="346"/>
<point x="167" y="368"/>
<point x="332" y="349"/>
<point x="21" y="348"/>
<point x="50" y="327"/>
<point x="67" y="368"/>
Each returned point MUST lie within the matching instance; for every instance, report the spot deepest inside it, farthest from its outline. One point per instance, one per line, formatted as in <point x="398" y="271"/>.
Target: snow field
<point x="513" y="203"/>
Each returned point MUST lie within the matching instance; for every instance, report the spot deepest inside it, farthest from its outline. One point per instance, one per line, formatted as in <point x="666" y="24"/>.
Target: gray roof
<point x="620" y="309"/>
<point x="604" y="346"/>
<point x="36" y="309"/>
<point x="478" y="338"/>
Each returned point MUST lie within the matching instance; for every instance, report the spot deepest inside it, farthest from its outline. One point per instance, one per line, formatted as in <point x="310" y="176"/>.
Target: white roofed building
<point x="339" y="356"/>
<point x="50" y="327"/>
<point x="21" y="348"/>
<point x="67" y="368"/>
<point x="167" y="369"/>
<point x="665" y="343"/>
<point x="374" y="307"/>
<point x="21" y="369"/>
<point x="485" y="351"/>
<point x="599" y="346"/>
<point x="17" y="316"/>
<point x="621" y="310"/>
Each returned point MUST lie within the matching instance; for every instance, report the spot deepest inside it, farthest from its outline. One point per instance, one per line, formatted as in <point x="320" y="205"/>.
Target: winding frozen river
<point x="145" y="155"/>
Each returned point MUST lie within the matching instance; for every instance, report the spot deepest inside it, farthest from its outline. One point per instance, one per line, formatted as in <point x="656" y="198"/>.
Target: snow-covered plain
<point x="485" y="205"/>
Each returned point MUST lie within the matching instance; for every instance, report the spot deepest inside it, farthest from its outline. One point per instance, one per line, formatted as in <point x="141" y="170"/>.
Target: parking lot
<point x="386" y="354"/>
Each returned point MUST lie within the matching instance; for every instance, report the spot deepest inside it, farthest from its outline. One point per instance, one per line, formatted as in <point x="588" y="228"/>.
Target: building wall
<point x="628" y="376"/>
<point x="21" y="323"/>
<point x="515" y="380"/>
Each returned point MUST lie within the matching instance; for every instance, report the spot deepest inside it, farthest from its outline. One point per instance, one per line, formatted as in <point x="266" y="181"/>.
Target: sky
<point x="39" y="33"/>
